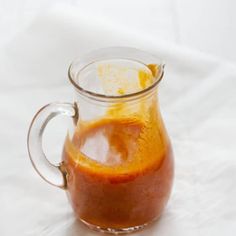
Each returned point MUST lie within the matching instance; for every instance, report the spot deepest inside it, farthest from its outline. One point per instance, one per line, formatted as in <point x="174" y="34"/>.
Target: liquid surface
<point x="110" y="142"/>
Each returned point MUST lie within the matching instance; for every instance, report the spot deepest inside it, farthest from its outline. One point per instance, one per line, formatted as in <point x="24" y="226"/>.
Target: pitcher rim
<point x="103" y="97"/>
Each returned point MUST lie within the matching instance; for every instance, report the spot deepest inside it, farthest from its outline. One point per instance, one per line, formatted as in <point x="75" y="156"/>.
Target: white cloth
<point x="197" y="99"/>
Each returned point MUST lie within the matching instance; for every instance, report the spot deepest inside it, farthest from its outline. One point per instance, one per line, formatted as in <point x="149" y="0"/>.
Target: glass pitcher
<point x="117" y="162"/>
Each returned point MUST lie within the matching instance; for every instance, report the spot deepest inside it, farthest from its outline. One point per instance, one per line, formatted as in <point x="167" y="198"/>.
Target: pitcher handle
<point x="54" y="174"/>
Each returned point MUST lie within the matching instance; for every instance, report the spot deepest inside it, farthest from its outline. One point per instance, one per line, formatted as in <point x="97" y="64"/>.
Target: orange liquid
<point x="129" y="179"/>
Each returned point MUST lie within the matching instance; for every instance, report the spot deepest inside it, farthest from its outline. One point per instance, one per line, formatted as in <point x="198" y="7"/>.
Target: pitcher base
<point x="112" y="230"/>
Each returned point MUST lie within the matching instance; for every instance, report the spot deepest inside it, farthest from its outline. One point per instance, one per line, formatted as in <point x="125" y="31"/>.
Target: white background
<point x="206" y="25"/>
<point x="38" y="40"/>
